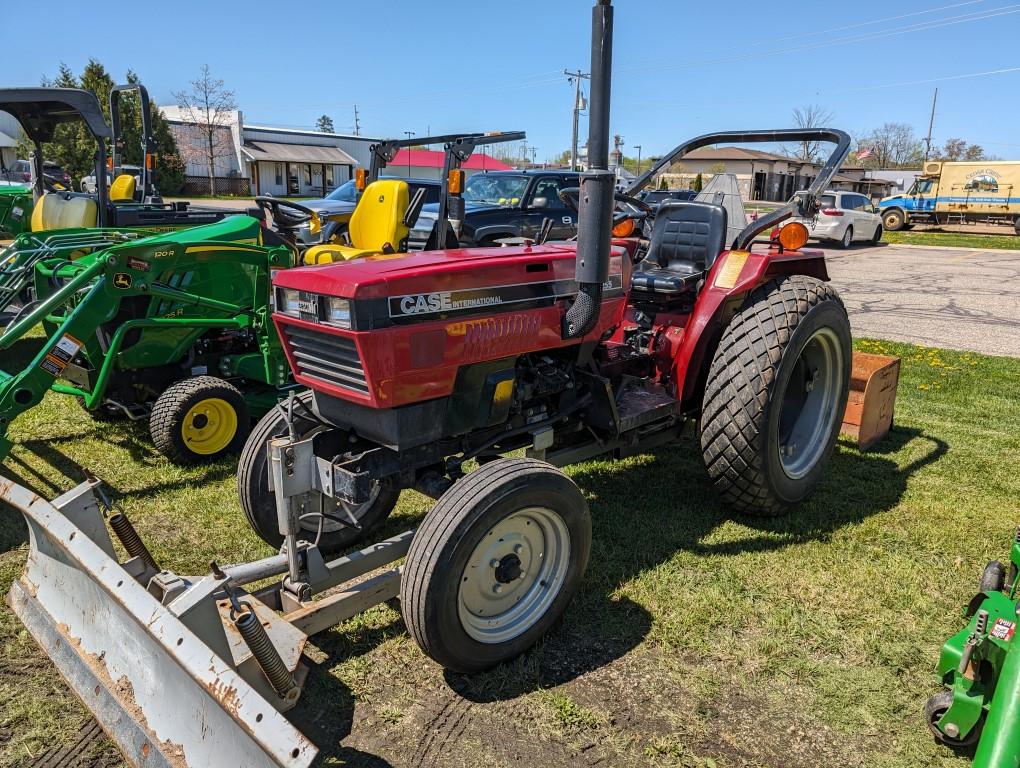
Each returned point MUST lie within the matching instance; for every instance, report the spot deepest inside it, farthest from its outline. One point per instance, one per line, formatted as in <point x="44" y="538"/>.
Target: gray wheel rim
<point x="848" y="236"/>
<point x="810" y="404"/>
<point x="514" y="575"/>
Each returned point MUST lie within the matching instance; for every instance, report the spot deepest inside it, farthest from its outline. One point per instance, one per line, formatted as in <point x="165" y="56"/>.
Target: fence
<point x="225" y="185"/>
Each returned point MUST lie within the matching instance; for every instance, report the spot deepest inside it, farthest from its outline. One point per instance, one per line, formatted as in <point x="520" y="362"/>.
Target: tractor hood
<point x="390" y="274"/>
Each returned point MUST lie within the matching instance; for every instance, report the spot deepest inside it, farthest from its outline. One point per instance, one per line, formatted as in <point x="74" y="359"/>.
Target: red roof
<point x="425" y="158"/>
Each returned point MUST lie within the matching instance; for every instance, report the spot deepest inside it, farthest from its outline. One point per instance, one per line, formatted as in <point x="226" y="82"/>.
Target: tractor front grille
<point x="326" y="357"/>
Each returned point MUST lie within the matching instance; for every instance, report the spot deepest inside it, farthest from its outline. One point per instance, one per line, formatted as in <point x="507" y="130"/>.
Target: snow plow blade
<point x="161" y="691"/>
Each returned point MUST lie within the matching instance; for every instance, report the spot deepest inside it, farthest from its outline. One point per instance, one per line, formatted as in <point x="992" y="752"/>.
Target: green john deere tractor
<point x="49" y="221"/>
<point x="173" y="327"/>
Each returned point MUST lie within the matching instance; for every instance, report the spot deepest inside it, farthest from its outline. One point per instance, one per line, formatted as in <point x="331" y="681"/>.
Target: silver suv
<point x="845" y="218"/>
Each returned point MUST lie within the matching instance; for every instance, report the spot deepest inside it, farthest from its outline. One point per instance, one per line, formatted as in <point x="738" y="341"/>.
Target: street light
<point x="638" y="148"/>
<point x="409" y="134"/>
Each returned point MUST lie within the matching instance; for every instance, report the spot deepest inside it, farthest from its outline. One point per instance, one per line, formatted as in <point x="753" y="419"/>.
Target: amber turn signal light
<point x="360" y="179"/>
<point x="455" y="181"/>
<point x="793" y="236"/>
<point x="625" y="228"/>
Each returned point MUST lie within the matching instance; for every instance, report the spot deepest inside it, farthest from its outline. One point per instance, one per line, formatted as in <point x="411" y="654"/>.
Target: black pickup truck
<point x="507" y="204"/>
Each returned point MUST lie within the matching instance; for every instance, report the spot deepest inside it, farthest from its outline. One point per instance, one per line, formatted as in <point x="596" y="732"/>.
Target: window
<point x="827" y="201"/>
<point x="346" y="193"/>
<point x="549" y="188"/>
<point x="308" y="175"/>
<point x="495" y="188"/>
<point x="329" y="175"/>
<point x="921" y="187"/>
<point x="278" y="170"/>
<point x="431" y="191"/>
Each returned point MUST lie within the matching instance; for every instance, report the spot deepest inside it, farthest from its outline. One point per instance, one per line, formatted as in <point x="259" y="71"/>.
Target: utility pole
<point x="931" y="125"/>
<point x="575" y="78"/>
<point x="638" y="148"/>
<point x="357" y="125"/>
<point x="409" y="135"/>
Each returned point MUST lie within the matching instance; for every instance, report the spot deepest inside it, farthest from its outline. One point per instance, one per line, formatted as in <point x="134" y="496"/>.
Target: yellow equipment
<point x="380" y="223"/>
<point x="123" y="189"/>
<point x="56" y="210"/>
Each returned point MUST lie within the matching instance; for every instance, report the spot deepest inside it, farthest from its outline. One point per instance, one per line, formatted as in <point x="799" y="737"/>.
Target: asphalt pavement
<point x="959" y="298"/>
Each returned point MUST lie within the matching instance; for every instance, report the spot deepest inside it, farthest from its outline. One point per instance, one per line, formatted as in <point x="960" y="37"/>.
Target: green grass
<point x="699" y="637"/>
<point x="953" y="240"/>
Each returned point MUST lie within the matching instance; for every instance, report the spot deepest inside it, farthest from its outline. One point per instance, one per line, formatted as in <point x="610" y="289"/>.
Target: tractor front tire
<point x="199" y="419"/>
<point x="259" y="503"/>
<point x="495" y="563"/>
<point x="775" y="395"/>
<point x="934" y="709"/>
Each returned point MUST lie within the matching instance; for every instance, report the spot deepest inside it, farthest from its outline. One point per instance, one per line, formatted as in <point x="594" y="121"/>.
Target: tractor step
<point x="641" y="402"/>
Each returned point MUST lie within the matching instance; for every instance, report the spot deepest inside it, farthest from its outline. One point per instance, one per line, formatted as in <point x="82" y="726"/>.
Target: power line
<point x="930" y="80"/>
<point x="910" y="28"/>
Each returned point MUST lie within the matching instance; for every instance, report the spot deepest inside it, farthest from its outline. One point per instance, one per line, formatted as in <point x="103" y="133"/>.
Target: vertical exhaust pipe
<point x="595" y="202"/>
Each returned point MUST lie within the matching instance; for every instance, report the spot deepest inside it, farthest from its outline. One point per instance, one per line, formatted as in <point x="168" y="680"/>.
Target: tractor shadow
<point x="643" y="514"/>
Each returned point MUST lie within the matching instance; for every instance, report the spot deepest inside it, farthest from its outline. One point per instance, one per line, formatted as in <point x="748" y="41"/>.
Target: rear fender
<point x="733" y="276"/>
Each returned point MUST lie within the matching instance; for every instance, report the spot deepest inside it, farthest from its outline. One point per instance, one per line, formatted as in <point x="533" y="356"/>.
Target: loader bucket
<point x="872" y="399"/>
<point x="161" y="693"/>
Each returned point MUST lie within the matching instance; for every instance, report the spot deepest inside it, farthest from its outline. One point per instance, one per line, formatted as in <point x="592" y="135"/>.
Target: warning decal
<point x="63" y="352"/>
<point x="1003" y="629"/>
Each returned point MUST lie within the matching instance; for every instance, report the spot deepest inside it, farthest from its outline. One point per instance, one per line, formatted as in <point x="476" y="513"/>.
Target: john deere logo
<point x="122" y="280"/>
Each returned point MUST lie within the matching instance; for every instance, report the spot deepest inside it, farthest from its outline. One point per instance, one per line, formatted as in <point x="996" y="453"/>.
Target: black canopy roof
<point x="40" y="110"/>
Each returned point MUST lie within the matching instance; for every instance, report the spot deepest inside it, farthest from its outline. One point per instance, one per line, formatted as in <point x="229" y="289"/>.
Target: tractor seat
<point x="687" y="238"/>
<point x="122" y="190"/>
<point x="61" y="210"/>
<point x="377" y="225"/>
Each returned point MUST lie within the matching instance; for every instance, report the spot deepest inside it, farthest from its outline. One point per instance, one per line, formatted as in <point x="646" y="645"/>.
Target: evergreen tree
<point x="73" y="147"/>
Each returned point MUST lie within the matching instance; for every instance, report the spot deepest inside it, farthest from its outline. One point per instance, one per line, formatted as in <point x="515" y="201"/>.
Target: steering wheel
<point x="286" y="215"/>
<point x="633" y="208"/>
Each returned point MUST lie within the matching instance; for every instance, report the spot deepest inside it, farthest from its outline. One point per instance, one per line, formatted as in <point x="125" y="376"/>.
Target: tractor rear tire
<point x="259" y="503"/>
<point x="495" y="563"/>
<point x="199" y="419"/>
<point x="993" y="578"/>
<point x="780" y="376"/>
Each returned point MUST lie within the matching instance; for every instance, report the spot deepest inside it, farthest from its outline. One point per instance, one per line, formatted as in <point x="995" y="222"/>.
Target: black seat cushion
<point x="687" y="238"/>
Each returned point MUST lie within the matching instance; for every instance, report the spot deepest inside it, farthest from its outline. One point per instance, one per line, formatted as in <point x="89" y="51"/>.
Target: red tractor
<point x="416" y="364"/>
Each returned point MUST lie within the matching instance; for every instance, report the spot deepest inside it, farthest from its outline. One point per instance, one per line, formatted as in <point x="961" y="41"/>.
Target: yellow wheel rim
<point x="209" y="426"/>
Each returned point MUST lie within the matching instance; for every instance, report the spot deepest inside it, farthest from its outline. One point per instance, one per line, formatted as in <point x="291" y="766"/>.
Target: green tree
<point x="698" y="183"/>
<point x="73" y="148"/>
<point x="324" y="124"/>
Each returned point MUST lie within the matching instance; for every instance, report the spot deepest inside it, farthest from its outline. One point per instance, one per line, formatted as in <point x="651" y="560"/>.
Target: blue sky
<point x="681" y="68"/>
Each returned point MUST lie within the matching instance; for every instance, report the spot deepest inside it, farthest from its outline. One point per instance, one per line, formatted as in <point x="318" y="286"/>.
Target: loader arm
<point x="94" y="322"/>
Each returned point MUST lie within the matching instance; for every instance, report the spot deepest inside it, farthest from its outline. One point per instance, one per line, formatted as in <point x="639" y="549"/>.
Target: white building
<point x="10" y="130"/>
<point x="266" y="160"/>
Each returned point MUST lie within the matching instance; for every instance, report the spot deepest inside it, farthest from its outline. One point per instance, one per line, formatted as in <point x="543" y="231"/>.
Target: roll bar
<point x="457" y="150"/>
<point x="803" y="203"/>
<point x="147" y="175"/>
<point x="41" y="110"/>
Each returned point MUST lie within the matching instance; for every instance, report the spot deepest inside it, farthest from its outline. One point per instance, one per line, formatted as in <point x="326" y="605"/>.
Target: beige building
<point x="764" y="175"/>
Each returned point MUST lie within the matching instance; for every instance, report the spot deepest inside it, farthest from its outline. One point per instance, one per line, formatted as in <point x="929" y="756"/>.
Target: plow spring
<point x="181" y="671"/>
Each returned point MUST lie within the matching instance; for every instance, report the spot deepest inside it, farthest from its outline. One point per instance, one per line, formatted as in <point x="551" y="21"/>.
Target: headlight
<point x="338" y="312"/>
<point x="288" y="301"/>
